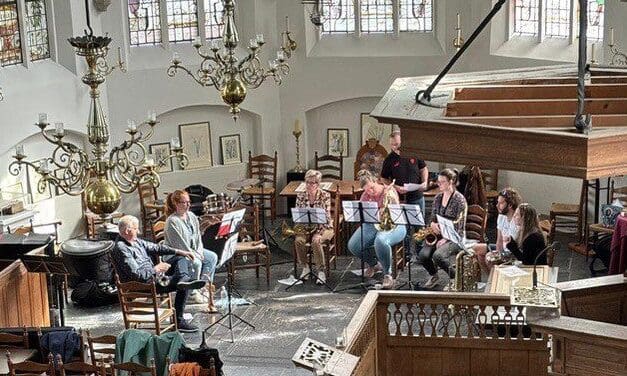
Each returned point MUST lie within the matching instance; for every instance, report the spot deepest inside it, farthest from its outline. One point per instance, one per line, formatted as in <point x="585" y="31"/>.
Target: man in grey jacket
<point x="131" y="256"/>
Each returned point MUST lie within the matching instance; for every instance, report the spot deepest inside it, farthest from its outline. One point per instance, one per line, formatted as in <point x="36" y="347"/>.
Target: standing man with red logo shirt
<point x="404" y="170"/>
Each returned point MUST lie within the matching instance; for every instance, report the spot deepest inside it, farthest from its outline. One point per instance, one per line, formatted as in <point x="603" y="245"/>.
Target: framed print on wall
<point x="161" y="151"/>
<point x="196" y="143"/>
<point x="372" y="129"/>
<point x="231" y="149"/>
<point x="337" y="142"/>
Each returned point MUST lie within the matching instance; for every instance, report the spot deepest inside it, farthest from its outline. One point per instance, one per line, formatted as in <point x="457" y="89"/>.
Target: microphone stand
<point x="534" y="275"/>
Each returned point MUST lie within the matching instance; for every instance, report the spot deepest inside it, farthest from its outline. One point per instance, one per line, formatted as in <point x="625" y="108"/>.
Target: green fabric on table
<point x="140" y="347"/>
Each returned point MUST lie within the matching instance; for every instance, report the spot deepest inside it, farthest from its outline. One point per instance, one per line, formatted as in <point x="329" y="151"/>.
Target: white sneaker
<point x="304" y="275"/>
<point x="432" y="281"/>
<point x="322" y="278"/>
<point x="388" y="282"/>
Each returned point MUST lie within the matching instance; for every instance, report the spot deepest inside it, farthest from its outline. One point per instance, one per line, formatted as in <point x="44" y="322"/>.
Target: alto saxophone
<point x="386" y="223"/>
<point x="297" y="229"/>
<point x="430" y="237"/>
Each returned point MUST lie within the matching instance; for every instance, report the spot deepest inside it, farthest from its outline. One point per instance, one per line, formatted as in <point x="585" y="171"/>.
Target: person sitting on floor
<point x="530" y="241"/>
<point x="182" y="231"/>
<point x="382" y="239"/>
<point x="131" y="256"/>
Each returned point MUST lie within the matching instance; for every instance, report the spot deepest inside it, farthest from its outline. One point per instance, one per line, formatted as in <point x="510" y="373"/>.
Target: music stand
<point x="54" y="267"/>
<point x="360" y="212"/>
<point x="230" y="222"/>
<point x="406" y="215"/>
<point x="309" y="216"/>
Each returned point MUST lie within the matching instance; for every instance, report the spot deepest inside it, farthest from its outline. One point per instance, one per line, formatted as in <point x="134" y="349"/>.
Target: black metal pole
<point x="582" y="124"/>
<point x="424" y="96"/>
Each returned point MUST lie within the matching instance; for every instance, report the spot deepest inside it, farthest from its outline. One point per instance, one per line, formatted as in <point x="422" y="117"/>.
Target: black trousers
<point x="181" y="270"/>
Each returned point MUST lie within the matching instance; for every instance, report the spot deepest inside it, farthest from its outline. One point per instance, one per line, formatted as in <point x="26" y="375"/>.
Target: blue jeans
<point x="410" y="244"/>
<point x="205" y="268"/>
<point x="382" y="241"/>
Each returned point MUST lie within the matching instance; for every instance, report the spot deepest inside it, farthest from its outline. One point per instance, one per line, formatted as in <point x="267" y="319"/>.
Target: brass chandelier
<point x="106" y="174"/>
<point x="231" y="76"/>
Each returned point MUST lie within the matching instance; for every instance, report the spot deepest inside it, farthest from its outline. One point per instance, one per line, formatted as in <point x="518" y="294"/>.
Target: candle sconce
<point x="618" y="57"/>
<point x="458" y="41"/>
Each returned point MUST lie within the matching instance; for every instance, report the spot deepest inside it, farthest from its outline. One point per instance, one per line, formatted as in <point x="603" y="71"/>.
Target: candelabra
<point x="618" y="57"/>
<point x="108" y="173"/>
<point x="297" y="132"/>
<point x="220" y="68"/>
<point x="458" y="41"/>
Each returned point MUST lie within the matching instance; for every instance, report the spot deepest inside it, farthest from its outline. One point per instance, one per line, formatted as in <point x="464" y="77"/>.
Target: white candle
<point x="175" y="58"/>
<point x="280" y="55"/>
<point x="43" y="118"/>
<point x="197" y="41"/>
<point x="150" y="162"/>
<point x="273" y="64"/>
<point x="58" y="129"/>
<point x="592" y="59"/>
<point x="175" y="142"/>
<point x="131" y="125"/>
<point x="287" y="23"/>
<point x="152" y="116"/>
<point x="214" y="44"/>
<point x="297" y="125"/>
<point x="459" y="21"/>
<point x="259" y="38"/>
<point x="19" y="150"/>
<point x="611" y="36"/>
<point x="252" y="43"/>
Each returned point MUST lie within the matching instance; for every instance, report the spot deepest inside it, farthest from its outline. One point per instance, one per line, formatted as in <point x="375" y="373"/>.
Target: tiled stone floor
<point x="283" y="319"/>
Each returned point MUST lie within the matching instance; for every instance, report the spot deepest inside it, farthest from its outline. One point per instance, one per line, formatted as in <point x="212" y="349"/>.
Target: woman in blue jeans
<point x="381" y="240"/>
<point x="182" y="231"/>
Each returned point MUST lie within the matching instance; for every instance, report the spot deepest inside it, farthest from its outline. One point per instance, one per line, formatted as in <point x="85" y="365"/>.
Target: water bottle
<point x="223" y="296"/>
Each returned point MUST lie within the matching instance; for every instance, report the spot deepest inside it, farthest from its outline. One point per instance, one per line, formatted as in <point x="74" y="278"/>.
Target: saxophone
<point x="430" y="237"/>
<point x="385" y="217"/>
<point x="297" y="229"/>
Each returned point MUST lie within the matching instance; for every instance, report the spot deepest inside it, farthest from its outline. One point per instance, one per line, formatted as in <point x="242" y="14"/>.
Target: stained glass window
<point x="37" y="30"/>
<point x="415" y="15"/>
<point x="596" y="10"/>
<point x="182" y="20"/>
<point x="526" y="17"/>
<point x="144" y="22"/>
<point x="337" y="16"/>
<point x="10" y="48"/>
<point x="557" y="18"/>
<point x="213" y="18"/>
<point x="376" y="16"/>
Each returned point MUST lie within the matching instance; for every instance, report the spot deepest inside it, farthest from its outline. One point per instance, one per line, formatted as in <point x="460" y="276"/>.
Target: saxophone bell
<point x="386" y="223"/>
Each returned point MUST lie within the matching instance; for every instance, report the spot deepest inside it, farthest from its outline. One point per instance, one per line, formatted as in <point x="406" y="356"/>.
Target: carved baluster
<point x="482" y="319"/>
<point x="422" y="319"/>
<point x="433" y="320"/>
<point x="409" y="319"/>
<point x="446" y="319"/>
<point x="520" y="322"/>
<point x="398" y="318"/>
<point x="508" y="322"/>
<point x="457" y="319"/>
<point x="495" y="319"/>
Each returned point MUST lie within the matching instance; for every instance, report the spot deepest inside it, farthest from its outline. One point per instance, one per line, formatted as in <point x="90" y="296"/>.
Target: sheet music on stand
<point x="229" y="249"/>
<point x="230" y="223"/>
<point x="447" y="229"/>
<point x="413" y="212"/>
<point x="309" y="215"/>
<point x="353" y="214"/>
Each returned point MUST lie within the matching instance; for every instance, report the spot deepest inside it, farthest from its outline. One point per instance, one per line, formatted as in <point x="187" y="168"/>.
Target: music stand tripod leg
<point x="362" y="284"/>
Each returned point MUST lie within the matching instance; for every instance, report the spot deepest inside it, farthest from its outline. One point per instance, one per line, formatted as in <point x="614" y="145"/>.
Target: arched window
<point x="376" y="16"/>
<point x="34" y="32"/>
<point x="559" y="20"/>
<point x="173" y="21"/>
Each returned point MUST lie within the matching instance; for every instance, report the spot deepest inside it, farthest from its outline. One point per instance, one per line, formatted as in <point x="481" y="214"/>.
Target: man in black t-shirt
<point x="404" y="170"/>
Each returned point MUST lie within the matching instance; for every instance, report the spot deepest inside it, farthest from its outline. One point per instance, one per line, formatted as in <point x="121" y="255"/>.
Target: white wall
<point x="323" y="89"/>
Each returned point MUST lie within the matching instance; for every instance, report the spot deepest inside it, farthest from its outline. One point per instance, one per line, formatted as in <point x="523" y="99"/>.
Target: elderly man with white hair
<point x="131" y="256"/>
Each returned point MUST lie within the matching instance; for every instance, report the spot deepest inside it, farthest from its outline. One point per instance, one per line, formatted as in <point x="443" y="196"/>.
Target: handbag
<point x="202" y="356"/>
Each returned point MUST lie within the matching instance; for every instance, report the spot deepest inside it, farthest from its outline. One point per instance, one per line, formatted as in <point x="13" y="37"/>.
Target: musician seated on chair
<point x="506" y="203"/>
<point x="182" y="231"/>
<point x="530" y="241"/>
<point x="131" y="256"/>
<point x="451" y="204"/>
<point x="314" y="197"/>
<point x="373" y="235"/>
